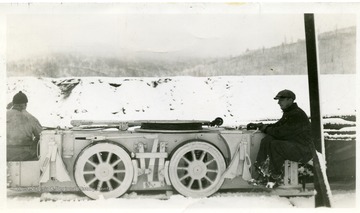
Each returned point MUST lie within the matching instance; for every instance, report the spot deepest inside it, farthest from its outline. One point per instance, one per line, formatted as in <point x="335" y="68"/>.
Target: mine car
<point x="109" y="158"/>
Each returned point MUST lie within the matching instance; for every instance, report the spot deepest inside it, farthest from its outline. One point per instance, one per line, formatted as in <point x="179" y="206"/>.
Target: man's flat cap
<point x="285" y="94"/>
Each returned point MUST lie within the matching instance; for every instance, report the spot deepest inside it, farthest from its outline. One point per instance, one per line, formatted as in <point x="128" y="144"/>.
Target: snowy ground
<point x="176" y="202"/>
<point x="238" y="100"/>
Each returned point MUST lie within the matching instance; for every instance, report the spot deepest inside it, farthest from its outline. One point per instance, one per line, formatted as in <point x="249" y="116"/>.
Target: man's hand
<point x="260" y="126"/>
<point x="263" y="127"/>
<point x="253" y="126"/>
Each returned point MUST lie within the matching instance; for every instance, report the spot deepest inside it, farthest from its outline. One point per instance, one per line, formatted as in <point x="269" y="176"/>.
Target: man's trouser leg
<point x="286" y="150"/>
<point x="264" y="149"/>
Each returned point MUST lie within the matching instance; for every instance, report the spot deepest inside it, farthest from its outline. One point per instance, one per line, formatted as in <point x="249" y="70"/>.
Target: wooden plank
<point x="151" y="155"/>
<point x="161" y="162"/>
<point x="286" y="173"/>
<point x="294" y="173"/>
<point x="152" y="160"/>
<point x="142" y="160"/>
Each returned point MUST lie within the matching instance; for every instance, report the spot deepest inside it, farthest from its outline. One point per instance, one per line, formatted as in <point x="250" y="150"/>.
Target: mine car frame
<point x="196" y="158"/>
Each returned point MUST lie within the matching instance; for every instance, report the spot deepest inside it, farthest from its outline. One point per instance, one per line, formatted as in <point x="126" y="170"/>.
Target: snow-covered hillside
<point x="237" y="99"/>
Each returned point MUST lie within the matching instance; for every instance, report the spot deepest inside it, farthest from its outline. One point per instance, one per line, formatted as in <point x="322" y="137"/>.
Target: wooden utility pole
<point x="322" y="198"/>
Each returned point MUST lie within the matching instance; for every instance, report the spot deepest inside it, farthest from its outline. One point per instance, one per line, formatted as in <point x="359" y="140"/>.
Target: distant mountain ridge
<point x="337" y="55"/>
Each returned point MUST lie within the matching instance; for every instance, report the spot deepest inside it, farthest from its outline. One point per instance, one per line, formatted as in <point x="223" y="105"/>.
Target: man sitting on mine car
<point x="287" y="139"/>
<point x="23" y="131"/>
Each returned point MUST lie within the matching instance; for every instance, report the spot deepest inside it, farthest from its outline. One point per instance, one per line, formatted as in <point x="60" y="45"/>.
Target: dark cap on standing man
<point x="20" y="98"/>
<point x="285" y="94"/>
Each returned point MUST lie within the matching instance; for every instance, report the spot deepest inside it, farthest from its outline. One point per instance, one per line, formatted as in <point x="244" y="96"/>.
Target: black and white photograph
<point x="178" y="106"/>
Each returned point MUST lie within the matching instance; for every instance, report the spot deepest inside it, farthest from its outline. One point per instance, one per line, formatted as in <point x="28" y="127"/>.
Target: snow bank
<point x="337" y="121"/>
<point x="342" y="137"/>
<point x="348" y="129"/>
<point x="237" y="99"/>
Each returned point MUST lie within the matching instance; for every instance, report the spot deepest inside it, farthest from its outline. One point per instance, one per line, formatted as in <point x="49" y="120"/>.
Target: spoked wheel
<point x="103" y="169"/>
<point x="195" y="169"/>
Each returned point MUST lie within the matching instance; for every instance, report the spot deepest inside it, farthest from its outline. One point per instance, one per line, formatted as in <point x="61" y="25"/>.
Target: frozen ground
<point x="175" y="203"/>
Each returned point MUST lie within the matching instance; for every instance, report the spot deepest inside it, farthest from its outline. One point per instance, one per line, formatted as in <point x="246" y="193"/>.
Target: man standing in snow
<point x="23" y="131"/>
<point x="286" y="139"/>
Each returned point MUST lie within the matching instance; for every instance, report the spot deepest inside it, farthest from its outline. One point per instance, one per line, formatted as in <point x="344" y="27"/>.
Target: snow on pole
<point x="322" y="162"/>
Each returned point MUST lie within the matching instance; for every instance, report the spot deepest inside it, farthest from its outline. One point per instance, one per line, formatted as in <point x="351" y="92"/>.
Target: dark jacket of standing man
<point x="23" y="131"/>
<point x="286" y="139"/>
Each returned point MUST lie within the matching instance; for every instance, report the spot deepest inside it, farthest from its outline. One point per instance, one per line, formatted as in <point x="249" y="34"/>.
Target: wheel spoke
<point x="185" y="159"/>
<point x="193" y="155"/>
<point x="91" y="181"/>
<point x="208" y="179"/>
<point x="117" y="180"/>
<point x="109" y="185"/>
<point x="202" y="156"/>
<point x="108" y="157"/>
<point x="183" y="168"/>
<point x="212" y="170"/>
<point x="91" y="163"/>
<point x="207" y="163"/>
<point x="116" y="162"/>
<point x="99" y="157"/>
<point x="89" y="172"/>
<point x="200" y="184"/>
<point x="183" y="177"/>
<point x="119" y="171"/>
<point x="100" y="185"/>
<point x="191" y="183"/>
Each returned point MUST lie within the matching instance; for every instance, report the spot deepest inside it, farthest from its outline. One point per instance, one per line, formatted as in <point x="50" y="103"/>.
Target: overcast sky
<point x="129" y="35"/>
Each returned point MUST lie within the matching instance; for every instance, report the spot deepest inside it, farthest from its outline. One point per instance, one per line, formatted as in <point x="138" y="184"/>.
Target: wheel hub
<point x="197" y="170"/>
<point x="104" y="172"/>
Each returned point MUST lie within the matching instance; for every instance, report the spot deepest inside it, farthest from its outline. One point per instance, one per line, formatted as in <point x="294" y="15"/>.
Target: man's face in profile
<point x="285" y="102"/>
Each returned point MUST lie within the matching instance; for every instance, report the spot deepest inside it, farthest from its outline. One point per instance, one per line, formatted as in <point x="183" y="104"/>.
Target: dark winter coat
<point x="23" y="133"/>
<point x="294" y="126"/>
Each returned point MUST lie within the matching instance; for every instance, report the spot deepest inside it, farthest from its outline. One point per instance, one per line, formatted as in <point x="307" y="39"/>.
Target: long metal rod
<point x="320" y="180"/>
